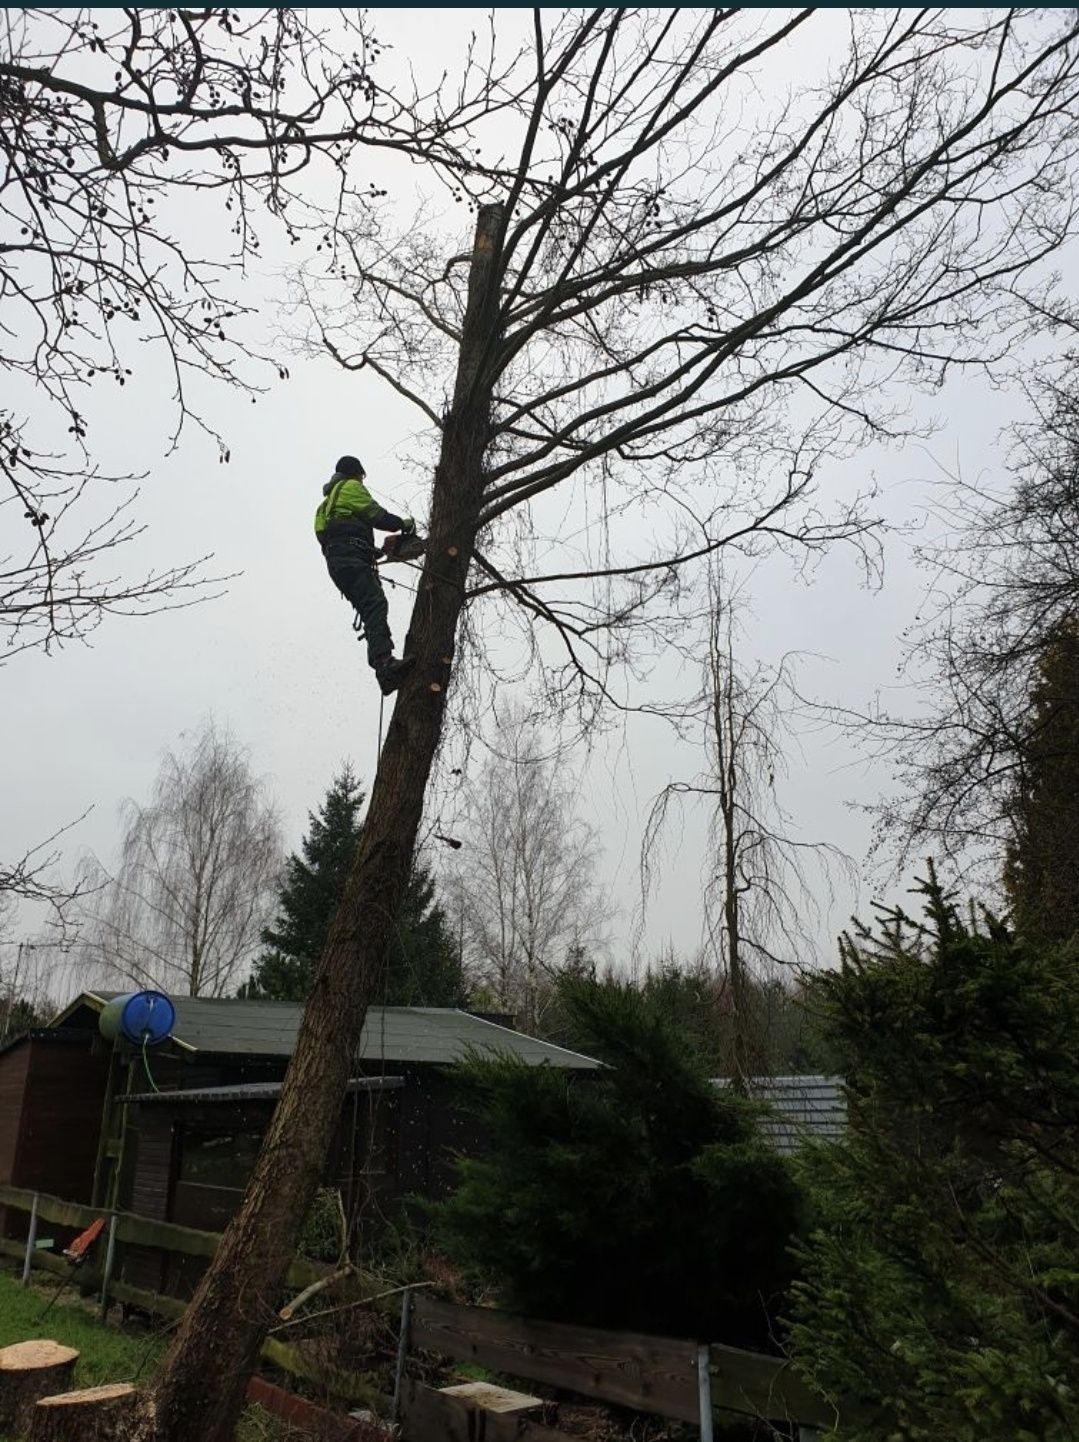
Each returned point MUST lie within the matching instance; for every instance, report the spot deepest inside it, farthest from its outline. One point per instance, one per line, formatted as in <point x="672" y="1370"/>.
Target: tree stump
<point x="28" y="1371"/>
<point x="92" y="1415"/>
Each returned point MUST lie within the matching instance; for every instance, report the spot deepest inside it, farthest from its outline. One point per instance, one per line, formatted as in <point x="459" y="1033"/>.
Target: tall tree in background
<point x="698" y="280"/>
<point x="1006" y="586"/>
<point x="1042" y="875"/>
<point x="198" y="868"/>
<point x="757" y="902"/>
<point x="424" y="966"/>
<point x="526" y="877"/>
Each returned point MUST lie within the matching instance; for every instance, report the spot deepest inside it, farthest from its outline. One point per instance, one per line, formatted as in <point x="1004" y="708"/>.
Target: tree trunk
<point x="97" y="1414"/>
<point x="199" y="1389"/>
<point x="29" y="1370"/>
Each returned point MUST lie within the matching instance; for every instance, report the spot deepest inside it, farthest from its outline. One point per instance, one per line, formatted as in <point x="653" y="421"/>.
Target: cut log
<point x="92" y="1415"/>
<point x="29" y="1370"/>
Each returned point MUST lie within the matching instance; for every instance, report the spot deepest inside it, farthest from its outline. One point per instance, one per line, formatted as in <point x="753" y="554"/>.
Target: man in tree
<point x="344" y="525"/>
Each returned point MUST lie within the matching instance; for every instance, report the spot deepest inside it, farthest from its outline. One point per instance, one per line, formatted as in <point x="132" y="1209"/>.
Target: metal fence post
<point x="402" y="1354"/>
<point x="704" y="1393"/>
<point x="106" y="1276"/>
<point x="31" y="1240"/>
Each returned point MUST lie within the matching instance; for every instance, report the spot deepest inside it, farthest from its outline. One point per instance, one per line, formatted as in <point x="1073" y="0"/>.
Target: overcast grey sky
<point x="275" y="660"/>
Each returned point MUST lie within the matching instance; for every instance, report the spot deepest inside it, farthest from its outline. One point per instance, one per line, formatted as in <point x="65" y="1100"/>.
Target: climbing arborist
<point x="344" y="525"/>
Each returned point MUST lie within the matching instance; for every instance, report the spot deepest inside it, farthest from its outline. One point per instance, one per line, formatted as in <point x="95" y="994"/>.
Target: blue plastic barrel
<point x="144" y="1018"/>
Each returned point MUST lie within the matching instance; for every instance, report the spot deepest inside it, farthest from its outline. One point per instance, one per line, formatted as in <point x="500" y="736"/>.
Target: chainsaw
<point x="403" y="548"/>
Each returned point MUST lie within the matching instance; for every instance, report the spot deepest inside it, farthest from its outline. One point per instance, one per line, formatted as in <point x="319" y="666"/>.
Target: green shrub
<point x="320" y="1238"/>
<point x="639" y="1198"/>
<point x="941" y="1275"/>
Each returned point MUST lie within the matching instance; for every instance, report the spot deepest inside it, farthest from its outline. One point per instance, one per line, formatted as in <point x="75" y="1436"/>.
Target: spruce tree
<point x="1042" y="875"/>
<point x="424" y="967"/>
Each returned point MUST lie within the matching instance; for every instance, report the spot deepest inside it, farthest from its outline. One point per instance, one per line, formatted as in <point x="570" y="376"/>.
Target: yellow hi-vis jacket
<point x="348" y="509"/>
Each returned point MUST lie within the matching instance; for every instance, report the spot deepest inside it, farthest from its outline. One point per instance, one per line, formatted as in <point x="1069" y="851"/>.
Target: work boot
<point x="390" y="672"/>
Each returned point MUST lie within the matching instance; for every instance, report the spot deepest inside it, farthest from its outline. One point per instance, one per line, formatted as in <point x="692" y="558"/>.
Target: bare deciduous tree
<point x="28" y="982"/>
<point x="124" y="134"/>
<point x="526" y="874"/>
<point x="1005" y="583"/>
<point x="758" y="902"/>
<point x="694" y="264"/>
<point x="197" y="878"/>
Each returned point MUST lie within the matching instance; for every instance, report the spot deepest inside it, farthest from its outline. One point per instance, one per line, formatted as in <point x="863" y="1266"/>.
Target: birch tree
<point x="526" y="874"/>
<point x="197" y="879"/>
<point x="702" y="273"/>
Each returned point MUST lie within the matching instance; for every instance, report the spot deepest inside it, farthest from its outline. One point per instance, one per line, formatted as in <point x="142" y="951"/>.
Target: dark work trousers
<point x="351" y="565"/>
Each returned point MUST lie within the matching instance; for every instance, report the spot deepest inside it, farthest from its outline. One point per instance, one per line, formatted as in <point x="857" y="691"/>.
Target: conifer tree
<point x="424" y="967"/>
<point x="1042" y="876"/>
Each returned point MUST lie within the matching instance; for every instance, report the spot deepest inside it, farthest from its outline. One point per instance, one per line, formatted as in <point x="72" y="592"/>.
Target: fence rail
<point x="143" y="1231"/>
<point x="167" y="1237"/>
<point x="662" y="1375"/>
<point x="654" y="1374"/>
<point x="651" y="1374"/>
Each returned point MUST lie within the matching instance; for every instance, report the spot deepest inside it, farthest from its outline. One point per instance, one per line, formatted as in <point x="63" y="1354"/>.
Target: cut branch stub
<point x="29" y="1371"/>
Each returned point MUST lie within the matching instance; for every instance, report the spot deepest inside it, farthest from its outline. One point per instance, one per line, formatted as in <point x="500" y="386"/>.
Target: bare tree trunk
<point x="199" y="1390"/>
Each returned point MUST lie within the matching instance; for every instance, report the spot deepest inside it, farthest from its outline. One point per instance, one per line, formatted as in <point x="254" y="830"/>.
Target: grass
<point x="106" y="1353"/>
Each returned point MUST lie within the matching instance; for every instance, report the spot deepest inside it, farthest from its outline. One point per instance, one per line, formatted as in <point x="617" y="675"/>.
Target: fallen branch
<point x="346" y="1306"/>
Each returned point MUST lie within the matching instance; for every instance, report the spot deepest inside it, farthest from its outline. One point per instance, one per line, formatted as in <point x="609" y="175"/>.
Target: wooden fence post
<point x="31" y="1242"/>
<point x="704" y="1393"/>
<point x="402" y="1354"/>
<point x="106" y="1275"/>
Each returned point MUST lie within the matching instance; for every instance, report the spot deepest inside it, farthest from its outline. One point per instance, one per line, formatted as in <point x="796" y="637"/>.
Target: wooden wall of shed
<point x="148" y="1191"/>
<point x="14" y="1064"/>
<point x="56" y="1143"/>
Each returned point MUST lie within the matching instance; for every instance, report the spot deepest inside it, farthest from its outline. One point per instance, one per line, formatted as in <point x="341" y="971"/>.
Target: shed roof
<point x="802" y="1108"/>
<point x="249" y="1092"/>
<point x="420" y="1035"/>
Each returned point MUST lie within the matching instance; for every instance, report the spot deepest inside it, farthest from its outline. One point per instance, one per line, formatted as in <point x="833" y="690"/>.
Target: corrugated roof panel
<point x="404" y="1035"/>
<point x="804" y="1108"/>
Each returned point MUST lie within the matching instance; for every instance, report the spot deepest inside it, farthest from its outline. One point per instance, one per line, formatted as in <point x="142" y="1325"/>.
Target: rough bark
<point x="199" y="1390"/>
<point x="29" y="1370"/>
<point x="92" y="1415"/>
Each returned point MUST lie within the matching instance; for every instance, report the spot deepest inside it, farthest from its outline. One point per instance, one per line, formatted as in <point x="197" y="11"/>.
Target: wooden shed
<point x="172" y="1133"/>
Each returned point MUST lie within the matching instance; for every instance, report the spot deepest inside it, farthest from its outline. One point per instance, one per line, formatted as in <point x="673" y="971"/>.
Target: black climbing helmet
<point x="350" y="467"/>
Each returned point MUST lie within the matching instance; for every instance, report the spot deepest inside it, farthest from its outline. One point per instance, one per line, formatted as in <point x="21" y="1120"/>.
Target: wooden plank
<point x="755" y="1385"/>
<point x="432" y="1416"/>
<point x="492" y="1399"/>
<point x="651" y="1374"/>
<point x="153" y="1302"/>
<point x="50" y="1209"/>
